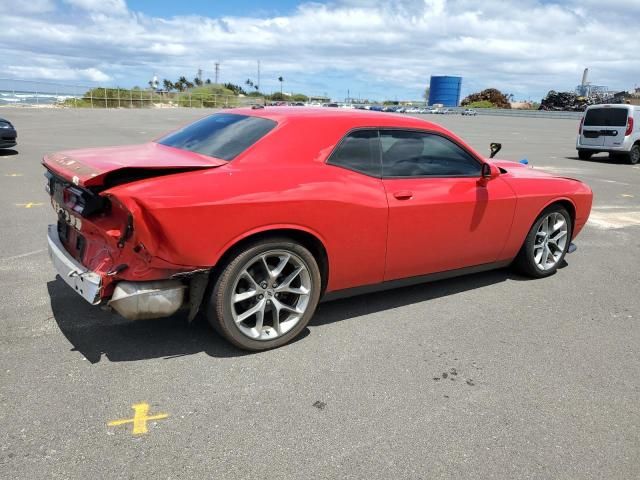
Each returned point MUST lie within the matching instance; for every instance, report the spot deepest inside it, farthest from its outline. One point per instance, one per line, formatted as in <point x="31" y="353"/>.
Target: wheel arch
<point x="309" y="239"/>
<point x="566" y="203"/>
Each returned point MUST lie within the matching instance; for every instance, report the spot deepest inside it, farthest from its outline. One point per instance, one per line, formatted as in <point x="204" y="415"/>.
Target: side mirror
<point x="489" y="171"/>
<point x="494" y="148"/>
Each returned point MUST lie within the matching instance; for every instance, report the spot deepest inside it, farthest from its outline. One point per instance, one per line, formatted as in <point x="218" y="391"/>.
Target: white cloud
<point x="57" y="73"/>
<point x="375" y="48"/>
<point x="29" y="7"/>
<point x="100" y="6"/>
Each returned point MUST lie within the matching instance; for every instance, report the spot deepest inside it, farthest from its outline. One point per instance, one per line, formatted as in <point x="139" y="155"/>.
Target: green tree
<point x="495" y="97"/>
<point x="197" y="81"/>
<point x="168" y="85"/>
<point x="237" y="89"/>
<point x="279" y="97"/>
<point x="281" y="80"/>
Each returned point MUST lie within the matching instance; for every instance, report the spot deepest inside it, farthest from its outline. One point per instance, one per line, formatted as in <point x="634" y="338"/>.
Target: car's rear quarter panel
<point x="284" y="184"/>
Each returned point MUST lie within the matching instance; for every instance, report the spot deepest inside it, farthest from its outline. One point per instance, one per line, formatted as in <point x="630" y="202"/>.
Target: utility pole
<point x="200" y="75"/>
<point x="258" y="84"/>
<point x="217" y="71"/>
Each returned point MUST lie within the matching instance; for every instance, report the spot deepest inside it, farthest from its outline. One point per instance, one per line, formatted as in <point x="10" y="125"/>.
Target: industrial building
<point x="445" y="90"/>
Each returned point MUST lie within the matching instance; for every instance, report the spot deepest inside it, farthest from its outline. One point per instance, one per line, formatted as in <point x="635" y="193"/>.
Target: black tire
<point x="584" y="154"/>
<point x="634" y="155"/>
<point x="525" y="262"/>
<point x="218" y="311"/>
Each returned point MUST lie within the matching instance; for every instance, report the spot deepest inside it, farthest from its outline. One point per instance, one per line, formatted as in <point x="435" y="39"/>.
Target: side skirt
<point x="406" y="282"/>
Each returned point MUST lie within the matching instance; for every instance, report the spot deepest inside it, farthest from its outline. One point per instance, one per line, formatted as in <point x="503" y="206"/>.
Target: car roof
<point x="612" y="105"/>
<point x="355" y="117"/>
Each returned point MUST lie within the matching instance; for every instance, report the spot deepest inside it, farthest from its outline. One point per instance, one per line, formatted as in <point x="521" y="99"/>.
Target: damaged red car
<point x="253" y="216"/>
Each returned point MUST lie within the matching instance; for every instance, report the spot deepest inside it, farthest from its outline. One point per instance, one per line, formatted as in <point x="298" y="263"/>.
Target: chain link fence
<point x="28" y="93"/>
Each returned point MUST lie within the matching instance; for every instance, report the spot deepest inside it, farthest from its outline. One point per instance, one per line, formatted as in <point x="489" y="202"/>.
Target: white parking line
<point x="612" y="219"/>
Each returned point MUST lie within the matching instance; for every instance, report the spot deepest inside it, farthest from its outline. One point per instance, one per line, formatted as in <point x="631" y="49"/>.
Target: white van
<point x="610" y="128"/>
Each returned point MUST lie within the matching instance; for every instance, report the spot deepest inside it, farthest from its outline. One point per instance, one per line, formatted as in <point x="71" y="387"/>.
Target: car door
<point x="442" y="214"/>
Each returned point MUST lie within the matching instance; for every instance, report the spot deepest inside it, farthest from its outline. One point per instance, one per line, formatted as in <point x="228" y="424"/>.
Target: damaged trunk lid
<point x="101" y="168"/>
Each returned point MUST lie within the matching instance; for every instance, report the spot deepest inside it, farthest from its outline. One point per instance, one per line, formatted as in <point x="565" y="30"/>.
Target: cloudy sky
<point x="376" y="49"/>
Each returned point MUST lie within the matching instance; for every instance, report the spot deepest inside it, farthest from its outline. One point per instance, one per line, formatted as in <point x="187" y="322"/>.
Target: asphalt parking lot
<point x="485" y="376"/>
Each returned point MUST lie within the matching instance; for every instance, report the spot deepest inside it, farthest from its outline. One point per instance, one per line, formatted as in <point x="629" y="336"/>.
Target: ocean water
<point x="10" y="97"/>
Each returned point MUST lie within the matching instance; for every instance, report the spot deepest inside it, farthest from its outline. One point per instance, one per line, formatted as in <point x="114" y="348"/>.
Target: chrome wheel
<point x="550" y="241"/>
<point x="270" y="294"/>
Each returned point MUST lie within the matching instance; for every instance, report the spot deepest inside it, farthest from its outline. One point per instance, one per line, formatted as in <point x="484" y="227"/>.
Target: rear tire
<point x="634" y="155"/>
<point x="584" y="154"/>
<point x="265" y="295"/>
<point x="546" y="243"/>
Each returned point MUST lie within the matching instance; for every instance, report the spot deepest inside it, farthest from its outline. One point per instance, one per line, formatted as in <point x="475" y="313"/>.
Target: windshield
<point x="606" y="117"/>
<point x="224" y="135"/>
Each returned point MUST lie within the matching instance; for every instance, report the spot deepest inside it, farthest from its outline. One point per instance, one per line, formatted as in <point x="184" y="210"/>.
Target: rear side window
<point x="358" y="151"/>
<point x="606" y="117"/>
<point x="224" y="135"/>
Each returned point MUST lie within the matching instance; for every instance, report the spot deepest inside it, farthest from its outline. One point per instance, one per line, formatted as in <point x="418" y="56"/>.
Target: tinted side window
<point x="358" y="151"/>
<point x="417" y="154"/>
<point x="224" y="135"/>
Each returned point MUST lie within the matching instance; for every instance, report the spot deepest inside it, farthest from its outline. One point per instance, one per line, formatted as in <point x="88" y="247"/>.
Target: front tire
<point x="265" y="296"/>
<point x="546" y="243"/>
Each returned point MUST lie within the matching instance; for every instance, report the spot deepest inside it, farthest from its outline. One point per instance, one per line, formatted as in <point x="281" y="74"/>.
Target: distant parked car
<point x="469" y="112"/>
<point x="610" y="128"/>
<point x="8" y="134"/>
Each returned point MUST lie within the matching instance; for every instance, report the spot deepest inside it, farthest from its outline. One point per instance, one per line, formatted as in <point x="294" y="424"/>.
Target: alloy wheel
<point x="550" y="241"/>
<point x="270" y="294"/>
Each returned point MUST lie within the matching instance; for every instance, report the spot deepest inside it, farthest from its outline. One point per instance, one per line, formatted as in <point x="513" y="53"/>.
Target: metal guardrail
<point x="522" y="113"/>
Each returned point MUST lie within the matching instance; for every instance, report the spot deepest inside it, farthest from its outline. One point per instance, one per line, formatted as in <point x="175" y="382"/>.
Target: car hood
<point x="517" y="169"/>
<point x="91" y="167"/>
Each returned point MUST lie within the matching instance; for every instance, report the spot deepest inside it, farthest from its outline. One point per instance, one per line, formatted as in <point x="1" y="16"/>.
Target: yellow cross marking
<point x="12" y="174"/>
<point x="29" y="205"/>
<point x="140" y="418"/>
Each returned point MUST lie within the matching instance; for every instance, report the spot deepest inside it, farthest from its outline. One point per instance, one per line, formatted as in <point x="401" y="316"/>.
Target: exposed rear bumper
<point x="85" y="282"/>
<point x="132" y="300"/>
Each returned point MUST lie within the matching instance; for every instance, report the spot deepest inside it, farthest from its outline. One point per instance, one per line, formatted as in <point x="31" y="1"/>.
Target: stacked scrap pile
<point x="570" y="101"/>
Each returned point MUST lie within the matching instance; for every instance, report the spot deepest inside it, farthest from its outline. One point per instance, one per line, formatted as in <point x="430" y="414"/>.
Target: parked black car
<point x="8" y="134"/>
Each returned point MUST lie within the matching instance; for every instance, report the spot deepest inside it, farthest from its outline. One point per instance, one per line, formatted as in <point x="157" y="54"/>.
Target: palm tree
<point x="280" y="79"/>
<point x="168" y="85"/>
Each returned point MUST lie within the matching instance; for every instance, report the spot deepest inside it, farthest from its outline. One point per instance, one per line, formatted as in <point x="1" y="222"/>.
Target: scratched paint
<point x="140" y="419"/>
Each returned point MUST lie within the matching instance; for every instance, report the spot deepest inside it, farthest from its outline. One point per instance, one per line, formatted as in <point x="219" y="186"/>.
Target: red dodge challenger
<point x="253" y="216"/>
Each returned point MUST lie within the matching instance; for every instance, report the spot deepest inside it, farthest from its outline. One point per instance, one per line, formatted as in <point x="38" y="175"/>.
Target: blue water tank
<point x="445" y="89"/>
